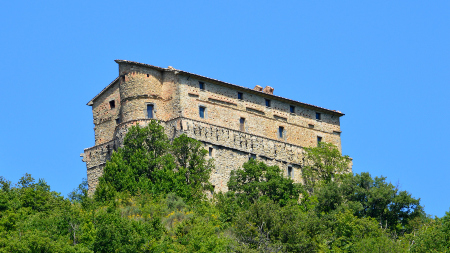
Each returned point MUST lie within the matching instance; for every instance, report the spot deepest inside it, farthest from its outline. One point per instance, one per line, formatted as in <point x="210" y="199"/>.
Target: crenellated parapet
<point x="244" y="142"/>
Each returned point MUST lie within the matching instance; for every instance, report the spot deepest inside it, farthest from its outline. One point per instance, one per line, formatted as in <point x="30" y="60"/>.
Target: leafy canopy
<point x="149" y="163"/>
<point x="323" y="164"/>
<point x="257" y="180"/>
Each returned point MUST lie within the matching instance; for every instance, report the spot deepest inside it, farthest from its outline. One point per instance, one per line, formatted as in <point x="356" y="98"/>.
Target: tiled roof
<point x="223" y="83"/>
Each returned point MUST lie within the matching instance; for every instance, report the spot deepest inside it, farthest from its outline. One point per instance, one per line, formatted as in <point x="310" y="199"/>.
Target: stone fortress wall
<point x="176" y="96"/>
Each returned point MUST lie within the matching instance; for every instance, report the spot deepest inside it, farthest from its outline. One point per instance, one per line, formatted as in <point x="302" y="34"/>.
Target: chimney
<point x="258" y="88"/>
<point x="268" y="90"/>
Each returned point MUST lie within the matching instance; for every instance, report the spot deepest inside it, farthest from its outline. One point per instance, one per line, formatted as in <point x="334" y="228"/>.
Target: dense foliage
<point x="149" y="163"/>
<point x="152" y="198"/>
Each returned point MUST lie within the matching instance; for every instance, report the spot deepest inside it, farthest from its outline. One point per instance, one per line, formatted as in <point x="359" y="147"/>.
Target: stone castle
<point x="234" y="123"/>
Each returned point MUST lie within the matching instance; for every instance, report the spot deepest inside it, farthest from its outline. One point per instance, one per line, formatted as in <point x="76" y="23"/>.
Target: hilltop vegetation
<point x="153" y="198"/>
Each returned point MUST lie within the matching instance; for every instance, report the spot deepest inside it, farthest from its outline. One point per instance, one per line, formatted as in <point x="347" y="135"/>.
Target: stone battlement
<point x="233" y="122"/>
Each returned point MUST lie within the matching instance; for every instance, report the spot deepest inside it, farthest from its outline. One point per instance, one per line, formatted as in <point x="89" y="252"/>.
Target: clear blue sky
<point x="385" y="64"/>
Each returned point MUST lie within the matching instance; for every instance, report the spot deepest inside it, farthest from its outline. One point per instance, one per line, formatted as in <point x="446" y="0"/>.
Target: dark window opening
<point x="242" y="124"/>
<point x="201" y="85"/>
<point x="123" y="78"/>
<point x="280" y="131"/>
<point x="268" y="102"/>
<point x="149" y="111"/>
<point x="292" y="109"/>
<point x="112" y="104"/>
<point x="290" y="171"/>
<point x="202" y="112"/>
<point x="318" y="116"/>
<point x="210" y="152"/>
<point x="319" y="140"/>
<point x="240" y="95"/>
<point x="118" y="121"/>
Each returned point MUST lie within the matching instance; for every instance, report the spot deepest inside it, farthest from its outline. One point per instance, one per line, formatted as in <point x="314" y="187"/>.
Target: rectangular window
<point x="242" y="124"/>
<point x="240" y="95"/>
<point x="268" y="102"/>
<point x="290" y="171"/>
<point x="280" y="131"/>
<point x="149" y="111"/>
<point x="118" y="121"/>
<point x="210" y="152"/>
<point x="201" y="111"/>
<point x="319" y="140"/>
<point x="201" y="85"/>
<point x="112" y="104"/>
<point x="318" y="116"/>
<point x="292" y="109"/>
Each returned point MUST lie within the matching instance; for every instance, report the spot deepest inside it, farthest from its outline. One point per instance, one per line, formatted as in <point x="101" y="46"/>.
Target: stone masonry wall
<point x="225" y="109"/>
<point x="231" y="149"/>
<point x="176" y="99"/>
<point x="104" y="116"/>
<point x="95" y="159"/>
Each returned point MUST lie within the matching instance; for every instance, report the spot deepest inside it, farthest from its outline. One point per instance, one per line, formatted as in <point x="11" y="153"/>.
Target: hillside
<point x="154" y="196"/>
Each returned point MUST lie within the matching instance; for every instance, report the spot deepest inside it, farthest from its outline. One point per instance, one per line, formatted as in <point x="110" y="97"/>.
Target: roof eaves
<point x="141" y="64"/>
<point x="91" y="102"/>
<point x="230" y="84"/>
<point x="263" y="93"/>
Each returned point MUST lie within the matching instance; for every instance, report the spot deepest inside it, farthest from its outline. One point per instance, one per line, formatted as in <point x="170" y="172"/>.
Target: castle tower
<point x="233" y="122"/>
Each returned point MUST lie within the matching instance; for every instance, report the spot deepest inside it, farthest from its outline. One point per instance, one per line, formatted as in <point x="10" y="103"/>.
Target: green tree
<point x="370" y="197"/>
<point x="256" y="180"/>
<point x="148" y="162"/>
<point x="323" y="164"/>
<point x="34" y="219"/>
<point x="117" y="234"/>
<point x="265" y="226"/>
<point x="433" y="235"/>
<point x="190" y="157"/>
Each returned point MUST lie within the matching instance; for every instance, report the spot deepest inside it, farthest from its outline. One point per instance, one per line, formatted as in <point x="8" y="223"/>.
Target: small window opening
<point x="252" y="156"/>
<point x="280" y="131"/>
<point x="210" y="152"/>
<point x="319" y="140"/>
<point x="242" y="124"/>
<point x="149" y="111"/>
<point x="201" y="111"/>
<point x="240" y="95"/>
<point x="118" y="121"/>
<point x="318" y="116"/>
<point x="148" y="75"/>
<point x="292" y="109"/>
<point x="268" y="102"/>
<point x="290" y="171"/>
<point x="112" y="104"/>
<point x="201" y="85"/>
<point x="123" y="78"/>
